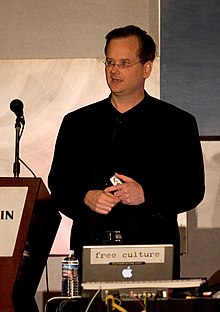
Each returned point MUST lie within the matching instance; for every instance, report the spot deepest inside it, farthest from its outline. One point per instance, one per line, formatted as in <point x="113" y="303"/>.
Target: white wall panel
<point x="49" y="89"/>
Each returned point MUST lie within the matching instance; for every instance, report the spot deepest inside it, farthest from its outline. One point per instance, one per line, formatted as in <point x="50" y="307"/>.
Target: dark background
<point x="190" y="59"/>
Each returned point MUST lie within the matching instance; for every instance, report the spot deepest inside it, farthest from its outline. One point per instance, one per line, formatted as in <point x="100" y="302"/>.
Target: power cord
<point x="93" y="298"/>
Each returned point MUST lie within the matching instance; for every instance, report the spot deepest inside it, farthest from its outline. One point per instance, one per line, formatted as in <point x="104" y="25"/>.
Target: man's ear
<point x="147" y="69"/>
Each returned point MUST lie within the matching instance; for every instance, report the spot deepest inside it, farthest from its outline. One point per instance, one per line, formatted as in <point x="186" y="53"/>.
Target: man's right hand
<point x="100" y="201"/>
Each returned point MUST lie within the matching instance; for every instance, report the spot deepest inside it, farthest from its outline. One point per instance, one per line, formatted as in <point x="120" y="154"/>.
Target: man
<point x="153" y="147"/>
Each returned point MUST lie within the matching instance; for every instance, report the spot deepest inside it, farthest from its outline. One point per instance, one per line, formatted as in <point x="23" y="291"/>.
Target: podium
<point x="28" y="225"/>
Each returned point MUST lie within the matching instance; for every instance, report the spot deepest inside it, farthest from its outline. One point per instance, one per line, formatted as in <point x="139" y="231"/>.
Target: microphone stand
<point x="16" y="166"/>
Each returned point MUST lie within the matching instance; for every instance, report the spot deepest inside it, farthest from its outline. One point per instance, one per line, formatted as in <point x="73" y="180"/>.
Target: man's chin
<point x="117" y="91"/>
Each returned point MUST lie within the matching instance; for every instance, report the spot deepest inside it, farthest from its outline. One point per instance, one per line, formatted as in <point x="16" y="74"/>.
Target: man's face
<point x="124" y="81"/>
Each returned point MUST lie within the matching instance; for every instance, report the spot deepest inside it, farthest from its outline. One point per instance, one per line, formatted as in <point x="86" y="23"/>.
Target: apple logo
<point x="127" y="273"/>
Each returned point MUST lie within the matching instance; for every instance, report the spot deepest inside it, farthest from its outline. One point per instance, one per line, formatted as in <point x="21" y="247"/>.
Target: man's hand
<point x="129" y="192"/>
<point x="101" y="201"/>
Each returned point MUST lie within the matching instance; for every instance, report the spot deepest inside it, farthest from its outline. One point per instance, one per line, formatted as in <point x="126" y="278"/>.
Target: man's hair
<point x="147" y="46"/>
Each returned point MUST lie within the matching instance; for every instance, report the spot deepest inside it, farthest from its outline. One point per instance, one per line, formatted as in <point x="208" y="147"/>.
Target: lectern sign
<point x="12" y="200"/>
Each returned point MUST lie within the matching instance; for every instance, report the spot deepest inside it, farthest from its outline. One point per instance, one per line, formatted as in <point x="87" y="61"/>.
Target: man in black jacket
<point x="152" y="146"/>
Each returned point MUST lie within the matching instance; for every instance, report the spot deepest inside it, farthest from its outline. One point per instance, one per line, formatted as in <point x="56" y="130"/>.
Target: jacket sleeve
<point x="177" y="183"/>
<point x="67" y="192"/>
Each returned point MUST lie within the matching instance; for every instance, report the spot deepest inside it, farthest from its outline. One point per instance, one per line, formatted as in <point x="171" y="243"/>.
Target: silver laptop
<point x="126" y="263"/>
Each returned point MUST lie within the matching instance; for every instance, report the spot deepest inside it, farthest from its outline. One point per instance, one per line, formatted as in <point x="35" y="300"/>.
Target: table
<point x="160" y="305"/>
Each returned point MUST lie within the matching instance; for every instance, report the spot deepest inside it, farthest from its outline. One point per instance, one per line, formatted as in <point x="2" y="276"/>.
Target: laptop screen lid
<point x="118" y="263"/>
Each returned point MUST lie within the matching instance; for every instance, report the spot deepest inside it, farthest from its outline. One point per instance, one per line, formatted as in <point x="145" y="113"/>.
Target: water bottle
<point x="70" y="278"/>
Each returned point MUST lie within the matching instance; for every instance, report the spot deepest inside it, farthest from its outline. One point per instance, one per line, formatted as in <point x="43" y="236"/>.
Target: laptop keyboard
<point x="180" y="283"/>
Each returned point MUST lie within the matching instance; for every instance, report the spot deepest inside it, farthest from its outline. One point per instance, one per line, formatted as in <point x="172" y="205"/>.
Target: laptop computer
<point x="126" y="263"/>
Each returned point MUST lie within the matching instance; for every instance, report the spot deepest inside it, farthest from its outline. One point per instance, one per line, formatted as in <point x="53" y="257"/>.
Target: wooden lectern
<point x="21" y="271"/>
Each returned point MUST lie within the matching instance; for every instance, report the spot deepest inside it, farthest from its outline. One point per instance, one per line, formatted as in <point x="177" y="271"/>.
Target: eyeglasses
<point x="120" y="65"/>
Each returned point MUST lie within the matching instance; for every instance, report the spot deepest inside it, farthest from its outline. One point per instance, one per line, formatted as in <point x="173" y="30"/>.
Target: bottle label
<point x="69" y="269"/>
<point x="70" y="279"/>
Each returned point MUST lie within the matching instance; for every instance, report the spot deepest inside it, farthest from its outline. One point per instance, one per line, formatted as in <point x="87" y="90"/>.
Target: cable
<point x="139" y="301"/>
<point x="91" y="301"/>
<point x="22" y="130"/>
<point x="114" y="305"/>
<point x="109" y="302"/>
<point x="27" y="167"/>
<point x="19" y="159"/>
<point x="62" y="305"/>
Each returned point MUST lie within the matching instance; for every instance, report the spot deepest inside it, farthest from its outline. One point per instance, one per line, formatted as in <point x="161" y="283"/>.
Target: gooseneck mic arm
<point x="16" y="165"/>
<point x="17" y="107"/>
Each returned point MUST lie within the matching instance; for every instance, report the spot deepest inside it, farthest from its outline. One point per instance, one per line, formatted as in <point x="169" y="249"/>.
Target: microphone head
<point x="16" y="106"/>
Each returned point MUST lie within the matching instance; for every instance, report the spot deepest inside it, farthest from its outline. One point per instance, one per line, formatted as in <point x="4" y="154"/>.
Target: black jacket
<point x="155" y="143"/>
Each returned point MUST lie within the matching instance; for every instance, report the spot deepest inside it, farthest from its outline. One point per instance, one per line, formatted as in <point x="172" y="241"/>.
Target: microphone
<point x="16" y="107"/>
